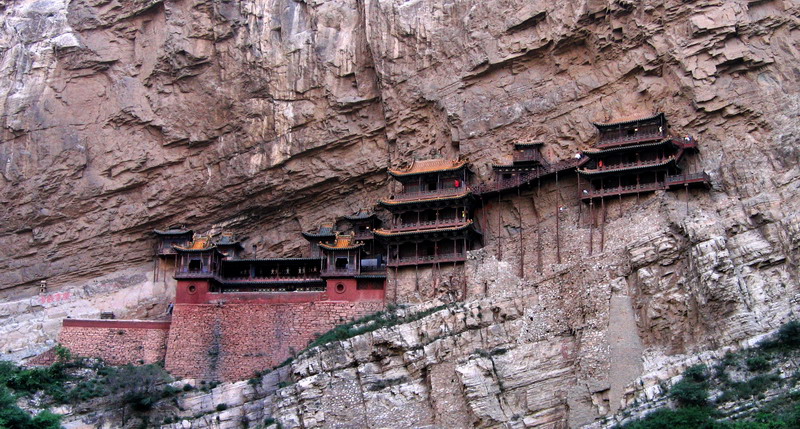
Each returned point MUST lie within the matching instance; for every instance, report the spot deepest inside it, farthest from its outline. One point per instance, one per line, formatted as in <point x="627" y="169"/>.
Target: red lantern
<point x="457" y="183"/>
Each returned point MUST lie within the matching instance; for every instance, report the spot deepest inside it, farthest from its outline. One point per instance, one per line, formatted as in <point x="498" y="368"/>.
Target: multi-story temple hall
<point x="636" y="156"/>
<point x="234" y="314"/>
<point x="431" y="227"/>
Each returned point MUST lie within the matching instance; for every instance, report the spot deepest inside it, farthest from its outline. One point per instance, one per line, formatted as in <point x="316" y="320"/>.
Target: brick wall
<point x="233" y="341"/>
<point x="116" y="341"/>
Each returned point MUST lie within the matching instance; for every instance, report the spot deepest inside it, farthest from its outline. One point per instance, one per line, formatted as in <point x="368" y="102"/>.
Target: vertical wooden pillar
<point x="521" y="233"/>
<point x="558" y="221"/>
<point x="499" y="224"/>
<point x="591" y="225"/>
<point x="603" y="223"/>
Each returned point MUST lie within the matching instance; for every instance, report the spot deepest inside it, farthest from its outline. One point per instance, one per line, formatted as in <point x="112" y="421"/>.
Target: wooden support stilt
<point x="485" y="219"/>
<point x="538" y="221"/>
<point x="499" y="224"/>
<point x="602" y="223"/>
<point x="521" y="233"/>
<point x="580" y="201"/>
<point x="619" y="187"/>
<point x="686" y="193"/>
<point x="416" y="268"/>
<point x="591" y="225"/>
<point x="558" y="220"/>
<point x="155" y="269"/>
<point x="558" y="237"/>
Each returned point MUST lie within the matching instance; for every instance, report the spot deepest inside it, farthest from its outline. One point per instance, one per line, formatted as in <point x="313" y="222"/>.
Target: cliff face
<point x="269" y="116"/>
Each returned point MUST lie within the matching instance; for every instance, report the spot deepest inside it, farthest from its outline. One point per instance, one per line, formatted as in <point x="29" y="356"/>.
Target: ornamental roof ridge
<point x="629" y="119"/>
<point x="429" y="166"/>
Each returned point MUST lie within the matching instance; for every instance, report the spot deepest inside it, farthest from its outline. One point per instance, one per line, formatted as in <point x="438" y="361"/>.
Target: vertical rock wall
<point x="269" y="116"/>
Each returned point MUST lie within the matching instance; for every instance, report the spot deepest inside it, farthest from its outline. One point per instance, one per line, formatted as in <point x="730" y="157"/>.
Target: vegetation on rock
<point x="703" y="398"/>
<point x="71" y="381"/>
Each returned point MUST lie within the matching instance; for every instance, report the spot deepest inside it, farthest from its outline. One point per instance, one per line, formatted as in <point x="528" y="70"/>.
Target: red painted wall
<point x="192" y="291"/>
<point x="347" y="290"/>
<point x="233" y="341"/>
<point x="117" y="342"/>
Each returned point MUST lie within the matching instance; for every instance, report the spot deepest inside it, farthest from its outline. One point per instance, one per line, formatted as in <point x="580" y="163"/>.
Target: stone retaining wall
<point x="117" y="342"/>
<point x="233" y="341"/>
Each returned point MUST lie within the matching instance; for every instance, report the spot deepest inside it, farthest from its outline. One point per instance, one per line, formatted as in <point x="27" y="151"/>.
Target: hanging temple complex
<point x="235" y="314"/>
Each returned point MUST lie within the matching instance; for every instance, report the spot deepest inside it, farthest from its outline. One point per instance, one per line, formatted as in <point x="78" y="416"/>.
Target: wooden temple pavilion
<point x="203" y="260"/>
<point x="431" y="215"/>
<point x="527" y="166"/>
<point x="362" y="226"/>
<point x="342" y="257"/>
<point x="229" y="246"/>
<point x="636" y="156"/>
<point x="325" y="232"/>
<point x="174" y="235"/>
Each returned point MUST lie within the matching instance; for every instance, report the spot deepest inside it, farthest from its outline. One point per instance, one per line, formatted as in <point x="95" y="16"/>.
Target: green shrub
<point x="370" y="323"/>
<point x="697" y="373"/>
<point x="789" y="335"/>
<point x="787" y="338"/>
<point x="750" y="388"/>
<point x="758" y="363"/>
<point x="688" y="393"/>
<point x="63" y="354"/>
<point x="13" y="417"/>
<point x="222" y="407"/>
<point x="187" y="387"/>
<point x="691" y="417"/>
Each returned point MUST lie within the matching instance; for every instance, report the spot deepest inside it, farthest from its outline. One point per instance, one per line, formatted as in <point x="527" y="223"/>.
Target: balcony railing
<point x="680" y="179"/>
<point x="622" y="190"/>
<point x="442" y="192"/>
<point x="364" y="235"/>
<point x="611" y="139"/>
<point x="340" y="272"/>
<point x="526" y="156"/>
<point x="523" y="179"/>
<point x="271" y="279"/>
<point x="373" y="269"/>
<point x="428" y="224"/>
<point x="429" y="259"/>
<point x="195" y="273"/>
<point x="627" y="165"/>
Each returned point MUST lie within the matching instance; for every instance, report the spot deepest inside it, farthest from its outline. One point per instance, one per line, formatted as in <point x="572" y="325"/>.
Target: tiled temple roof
<point x="389" y="233"/>
<point x="424" y="199"/>
<point x="324" y="230"/>
<point x="342" y="242"/>
<point x="227" y="239"/>
<point x="173" y="231"/>
<point x="594" y="151"/>
<point x="525" y="145"/>
<point x="590" y="172"/>
<point x="628" y="120"/>
<point x="200" y="243"/>
<point x="361" y="214"/>
<point x="429" y="166"/>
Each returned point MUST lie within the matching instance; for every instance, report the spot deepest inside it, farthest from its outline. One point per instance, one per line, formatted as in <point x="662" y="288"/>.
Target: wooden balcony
<point x="428" y="224"/>
<point x="525" y="178"/>
<point x="340" y="272"/>
<point x="527" y="156"/>
<point x="271" y="279"/>
<point x="589" y="194"/>
<point x="688" y="179"/>
<point x="364" y="235"/>
<point x="166" y="251"/>
<point x="611" y="139"/>
<point x="427" y="260"/>
<point x="419" y="195"/>
<point x="195" y="274"/>
<point x="630" y="165"/>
